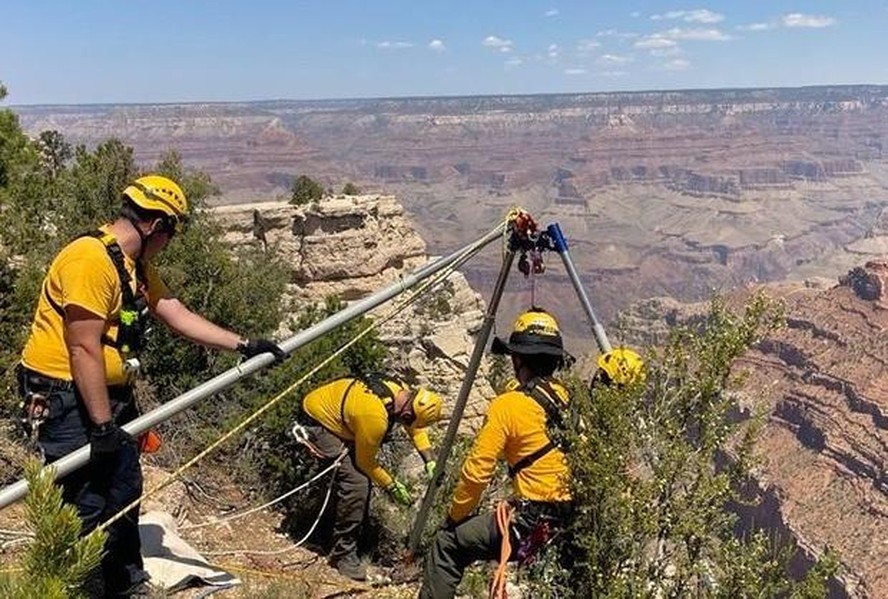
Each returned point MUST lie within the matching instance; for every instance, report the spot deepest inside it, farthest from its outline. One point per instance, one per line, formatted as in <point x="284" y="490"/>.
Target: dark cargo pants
<point x="455" y="549"/>
<point x="98" y="491"/>
<point x="352" y="493"/>
<point x="479" y="539"/>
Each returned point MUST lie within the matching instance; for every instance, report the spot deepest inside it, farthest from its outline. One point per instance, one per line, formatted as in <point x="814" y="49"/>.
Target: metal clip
<point x="536" y="258"/>
<point x="523" y="265"/>
<point x="131" y="366"/>
<point x="303" y="437"/>
<point x="33" y="411"/>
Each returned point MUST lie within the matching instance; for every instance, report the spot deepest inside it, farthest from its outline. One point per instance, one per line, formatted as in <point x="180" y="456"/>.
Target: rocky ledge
<point x="352" y="246"/>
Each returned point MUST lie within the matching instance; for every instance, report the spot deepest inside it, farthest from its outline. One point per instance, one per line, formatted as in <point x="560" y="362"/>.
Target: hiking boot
<point x="351" y="567"/>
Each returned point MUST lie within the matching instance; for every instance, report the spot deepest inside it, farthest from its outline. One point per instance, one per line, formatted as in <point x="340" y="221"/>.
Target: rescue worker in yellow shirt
<point x="514" y="428"/>
<point x="356" y="415"/>
<point x="520" y="426"/>
<point x="81" y="358"/>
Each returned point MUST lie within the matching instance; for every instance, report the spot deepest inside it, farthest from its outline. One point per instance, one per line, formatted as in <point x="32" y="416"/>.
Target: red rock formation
<point x="824" y="379"/>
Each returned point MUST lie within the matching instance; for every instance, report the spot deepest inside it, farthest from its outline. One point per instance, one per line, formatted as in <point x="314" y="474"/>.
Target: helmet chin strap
<point x="143" y="239"/>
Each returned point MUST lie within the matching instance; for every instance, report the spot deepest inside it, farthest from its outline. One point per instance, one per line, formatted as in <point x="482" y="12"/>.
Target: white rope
<point x="298" y="543"/>
<point x="332" y="466"/>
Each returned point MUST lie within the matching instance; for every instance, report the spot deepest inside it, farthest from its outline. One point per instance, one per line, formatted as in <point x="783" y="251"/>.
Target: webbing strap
<point x="542" y="393"/>
<point x="530" y="459"/>
<point x="376" y="384"/>
<point x="128" y="298"/>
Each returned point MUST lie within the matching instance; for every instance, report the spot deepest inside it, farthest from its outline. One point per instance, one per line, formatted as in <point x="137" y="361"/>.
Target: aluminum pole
<point x="460" y="405"/>
<point x="560" y="243"/>
<point x="78" y="458"/>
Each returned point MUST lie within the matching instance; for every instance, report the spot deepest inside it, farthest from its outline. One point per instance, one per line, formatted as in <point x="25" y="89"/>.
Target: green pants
<point x="456" y="548"/>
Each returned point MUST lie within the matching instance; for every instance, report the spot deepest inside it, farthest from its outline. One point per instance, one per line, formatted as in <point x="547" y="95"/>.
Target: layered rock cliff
<point x="352" y="246"/>
<point x="823" y="382"/>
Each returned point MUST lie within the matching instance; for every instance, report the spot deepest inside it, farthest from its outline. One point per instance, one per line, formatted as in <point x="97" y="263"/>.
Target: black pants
<point x="98" y="491"/>
<point x="352" y="493"/>
<point x="479" y="539"/>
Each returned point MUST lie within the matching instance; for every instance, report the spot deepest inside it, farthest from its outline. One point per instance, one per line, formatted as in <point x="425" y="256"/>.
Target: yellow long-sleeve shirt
<point x="362" y="419"/>
<point x="514" y="427"/>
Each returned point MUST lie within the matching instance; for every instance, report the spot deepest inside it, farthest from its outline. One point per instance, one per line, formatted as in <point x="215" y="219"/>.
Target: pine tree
<point x="57" y="563"/>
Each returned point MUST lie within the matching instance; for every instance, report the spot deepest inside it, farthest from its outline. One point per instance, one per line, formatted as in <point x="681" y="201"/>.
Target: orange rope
<point x="504" y="513"/>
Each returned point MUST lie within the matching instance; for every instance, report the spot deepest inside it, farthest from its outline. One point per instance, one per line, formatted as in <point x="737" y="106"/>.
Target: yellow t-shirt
<point x="365" y="422"/>
<point x="82" y="274"/>
<point x="514" y="427"/>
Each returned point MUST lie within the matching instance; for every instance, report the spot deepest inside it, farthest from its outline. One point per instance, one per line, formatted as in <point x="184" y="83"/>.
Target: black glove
<point x="254" y="347"/>
<point x="106" y="440"/>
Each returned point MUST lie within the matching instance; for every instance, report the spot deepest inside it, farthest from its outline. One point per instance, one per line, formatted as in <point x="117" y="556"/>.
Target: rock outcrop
<point x="352" y="246"/>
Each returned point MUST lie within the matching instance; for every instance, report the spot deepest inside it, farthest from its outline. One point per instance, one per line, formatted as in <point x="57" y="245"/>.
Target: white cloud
<point x="701" y="15"/>
<point x="677" y="64"/>
<point x="615" y="33"/>
<point x="701" y="35"/>
<point x="756" y="27"/>
<point x="634" y="14"/>
<point x="551" y="13"/>
<point x="612" y="73"/>
<point x="387" y="45"/>
<point x="664" y="52"/>
<point x="586" y="46"/>
<point x="497" y="43"/>
<point x="614" y="59"/>
<point x="553" y="51"/>
<point x="797" y="19"/>
<point x="514" y="62"/>
<point x="575" y="71"/>
<point x="655" y="42"/>
<point x="437" y="46"/>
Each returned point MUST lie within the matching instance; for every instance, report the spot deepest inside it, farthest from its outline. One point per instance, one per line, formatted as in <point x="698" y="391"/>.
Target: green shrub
<point x="305" y="190"/>
<point x="650" y="481"/>
<point x="57" y="563"/>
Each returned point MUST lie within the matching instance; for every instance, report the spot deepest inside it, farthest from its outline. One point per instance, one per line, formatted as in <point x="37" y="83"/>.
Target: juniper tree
<point x="655" y="469"/>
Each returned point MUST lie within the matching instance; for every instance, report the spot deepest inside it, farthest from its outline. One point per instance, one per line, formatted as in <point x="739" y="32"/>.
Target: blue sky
<point x="90" y="51"/>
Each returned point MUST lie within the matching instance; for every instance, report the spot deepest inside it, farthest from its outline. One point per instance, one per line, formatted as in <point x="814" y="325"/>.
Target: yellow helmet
<point x="622" y="366"/>
<point x="158" y="193"/>
<point x="426" y="406"/>
<point x="534" y="332"/>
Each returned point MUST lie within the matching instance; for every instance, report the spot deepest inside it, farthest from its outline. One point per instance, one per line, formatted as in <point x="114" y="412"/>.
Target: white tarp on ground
<point x="172" y="563"/>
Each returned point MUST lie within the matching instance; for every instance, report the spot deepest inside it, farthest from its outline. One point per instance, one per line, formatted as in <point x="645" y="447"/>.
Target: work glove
<point x="254" y="347"/>
<point x="106" y="440"/>
<point x="430" y="468"/>
<point x="399" y="493"/>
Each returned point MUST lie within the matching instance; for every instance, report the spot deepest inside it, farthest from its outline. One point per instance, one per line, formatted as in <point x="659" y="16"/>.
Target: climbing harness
<point x="33" y="410"/>
<point x="534" y="526"/>
<point x="133" y="322"/>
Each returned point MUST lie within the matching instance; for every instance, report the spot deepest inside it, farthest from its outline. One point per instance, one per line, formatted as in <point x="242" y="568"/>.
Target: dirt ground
<point x="269" y="564"/>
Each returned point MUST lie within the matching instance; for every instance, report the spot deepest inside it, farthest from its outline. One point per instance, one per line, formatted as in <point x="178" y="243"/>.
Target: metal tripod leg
<point x="561" y="247"/>
<point x="460" y="405"/>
